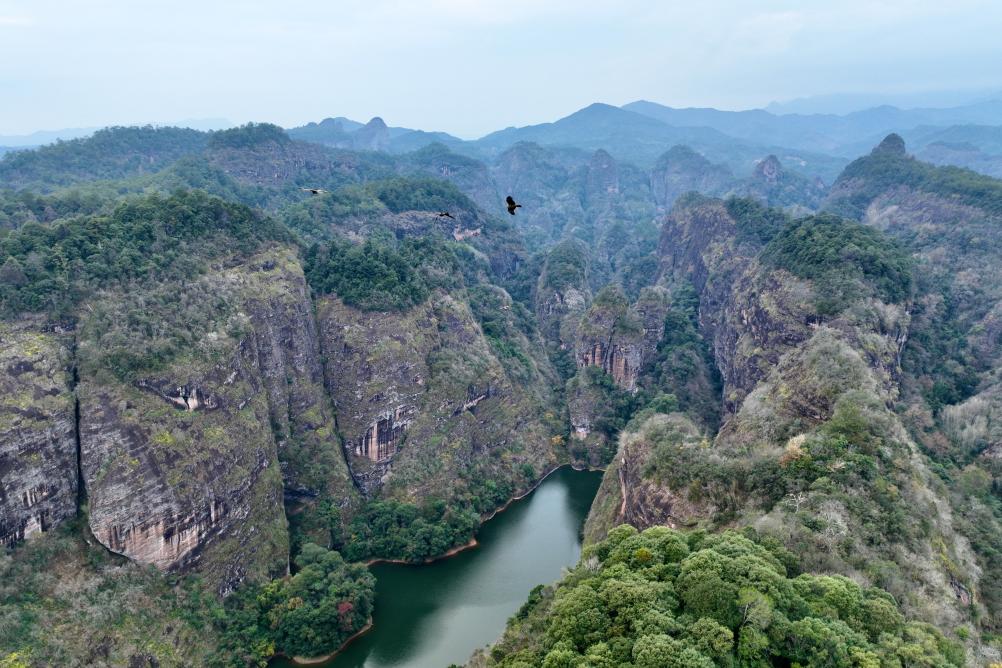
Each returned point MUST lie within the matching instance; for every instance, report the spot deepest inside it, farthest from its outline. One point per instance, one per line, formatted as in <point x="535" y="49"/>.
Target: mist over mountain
<point x="846" y="103"/>
<point x="842" y="135"/>
<point x="240" y="365"/>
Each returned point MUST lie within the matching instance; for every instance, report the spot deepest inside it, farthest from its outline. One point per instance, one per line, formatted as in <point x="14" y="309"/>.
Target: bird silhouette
<point x="314" y="191"/>
<point x="512" y="205"/>
<point x="445" y="214"/>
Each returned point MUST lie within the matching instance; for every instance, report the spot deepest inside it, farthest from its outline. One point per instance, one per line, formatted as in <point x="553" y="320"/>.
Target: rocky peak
<point x="769" y="170"/>
<point x="681" y="170"/>
<point x="611" y="336"/>
<point x="603" y="177"/>
<point x="373" y="136"/>
<point x="892" y="144"/>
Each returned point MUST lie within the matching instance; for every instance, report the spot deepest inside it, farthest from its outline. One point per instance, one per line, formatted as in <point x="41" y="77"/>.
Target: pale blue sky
<point x="469" y="67"/>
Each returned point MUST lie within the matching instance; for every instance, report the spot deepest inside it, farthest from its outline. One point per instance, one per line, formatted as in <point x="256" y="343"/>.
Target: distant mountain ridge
<point x="639" y="133"/>
<point x="42" y="137"/>
<point x="843" y="135"/>
<point x="375" y="135"/>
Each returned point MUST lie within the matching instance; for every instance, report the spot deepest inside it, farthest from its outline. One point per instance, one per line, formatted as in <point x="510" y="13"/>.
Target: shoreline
<point x="445" y="555"/>
<point x="306" y="661"/>
<point x="534" y="487"/>
<point x="483" y="520"/>
<point x="313" y="660"/>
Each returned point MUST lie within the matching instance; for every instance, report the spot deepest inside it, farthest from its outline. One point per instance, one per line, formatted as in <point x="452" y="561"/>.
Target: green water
<point x="433" y="615"/>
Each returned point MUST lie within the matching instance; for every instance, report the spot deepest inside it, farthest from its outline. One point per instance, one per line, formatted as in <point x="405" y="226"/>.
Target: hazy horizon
<point x="469" y="68"/>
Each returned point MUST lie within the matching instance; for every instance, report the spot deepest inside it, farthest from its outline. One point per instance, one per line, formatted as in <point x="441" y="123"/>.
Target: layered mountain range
<point x="206" y="367"/>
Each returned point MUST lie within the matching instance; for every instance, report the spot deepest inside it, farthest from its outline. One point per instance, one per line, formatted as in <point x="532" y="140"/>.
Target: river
<point x="433" y="615"/>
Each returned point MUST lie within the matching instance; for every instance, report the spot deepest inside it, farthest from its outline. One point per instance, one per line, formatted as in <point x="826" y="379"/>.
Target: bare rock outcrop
<point x="38" y="454"/>
<point x="186" y="469"/>
<point x="423" y="401"/>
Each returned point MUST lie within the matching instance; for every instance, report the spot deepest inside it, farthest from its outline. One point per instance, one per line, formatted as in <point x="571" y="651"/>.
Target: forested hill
<point x="210" y="370"/>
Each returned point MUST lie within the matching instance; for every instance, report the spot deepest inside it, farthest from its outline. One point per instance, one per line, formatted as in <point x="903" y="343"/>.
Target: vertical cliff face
<point x="373" y="136"/>
<point x="620" y="339"/>
<point x="426" y="407"/>
<point x="376" y="374"/>
<point x="950" y="380"/>
<point x="562" y="294"/>
<point x="602" y="187"/>
<point x="809" y="451"/>
<point x="750" y="316"/>
<point x="184" y="463"/>
<point x="185" y="490"/>
<point x="773" y="185"/>
<point x="629" y="495"/>
<point x="285" y="346"/>
<point x="38" y="452"/>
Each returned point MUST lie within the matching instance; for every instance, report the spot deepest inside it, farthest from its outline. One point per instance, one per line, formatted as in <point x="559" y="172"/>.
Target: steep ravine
<point x="809" y="452"/>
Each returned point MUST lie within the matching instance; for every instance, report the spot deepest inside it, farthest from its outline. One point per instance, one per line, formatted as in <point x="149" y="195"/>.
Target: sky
<point x="469" y="67"/>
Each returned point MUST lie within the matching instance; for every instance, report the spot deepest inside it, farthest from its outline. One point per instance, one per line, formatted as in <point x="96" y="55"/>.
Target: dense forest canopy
<point x="662" y="598"/>
<point x="830" y="251"/>
<point x="788" y="366"/>
<point x="49" y="268"/>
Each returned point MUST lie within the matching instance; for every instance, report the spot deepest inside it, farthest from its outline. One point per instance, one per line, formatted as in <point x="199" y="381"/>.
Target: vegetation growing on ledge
<point x="840" y="256"/>
<point x="110" y="153"/>
<point x="62" y="598"/>
<point x="565" y="266"/>
<point x="661" y="599"/>
<point x="248" y="135"/>
<point x="420" y="194"/>
<point x="684" y="362"/>
<point x="756" y="222"/>
<point x="381" y="274"/>
<point x="164" y="239"/>
<point x="883" y="170"/>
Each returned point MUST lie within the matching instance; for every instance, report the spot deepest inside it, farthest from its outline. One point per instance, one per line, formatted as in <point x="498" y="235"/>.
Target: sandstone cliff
<point x="802" y="388"/>
<point x="183" y="464"/>
<point x="426" y="406"/>
<point x="949" y="220"/>
<point x="38" y="451"/>
<point x="616" y="343"/>
<point x="681" y="170"/>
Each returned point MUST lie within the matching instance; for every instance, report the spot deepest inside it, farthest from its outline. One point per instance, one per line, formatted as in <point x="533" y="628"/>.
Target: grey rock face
<point x="185" y="469"/>
<point x="425" y="406"/>
<point x="748" y="333"/>
<point x="38" y="454"/>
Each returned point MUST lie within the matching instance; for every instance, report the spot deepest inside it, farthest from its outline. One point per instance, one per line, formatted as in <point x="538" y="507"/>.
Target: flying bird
<point x="445" y="214"/>
<point x="512" y="205"/>
<point x="314" y="191"/>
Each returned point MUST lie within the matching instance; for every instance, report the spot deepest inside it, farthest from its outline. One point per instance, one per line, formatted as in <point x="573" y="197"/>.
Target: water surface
<point x="433" y="615"/>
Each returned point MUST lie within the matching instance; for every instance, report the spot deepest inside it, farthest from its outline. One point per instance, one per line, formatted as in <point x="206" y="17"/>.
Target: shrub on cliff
<point x="420" y="194"/>
<point x="843" y="259"/>
<point x="383" y="274"/>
